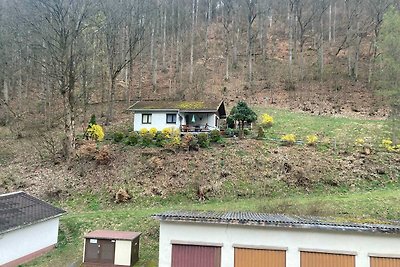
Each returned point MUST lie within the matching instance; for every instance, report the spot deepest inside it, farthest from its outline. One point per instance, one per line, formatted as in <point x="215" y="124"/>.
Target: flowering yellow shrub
<point x="389" y="146"/>
<point x="143" y="131"/>
<point x="266" y="120"/>
<point x="170" y="132"/>
<point x="288" y="139"/>
<point x="95" y="132"/>
<point x="153" y="131"/>
<point x="359" y="142"/>
<point x="311" y="140"/>
<point x="167" y="132"/>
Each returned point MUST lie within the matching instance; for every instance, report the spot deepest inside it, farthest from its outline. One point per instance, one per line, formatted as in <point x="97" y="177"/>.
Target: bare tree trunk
<point x="334" y="23"/>
<point x="192" y="41"/>
<point x="290" y="18"/>
<point x="330" y="23"/>
<point x="322" y="49"/>
<point x="164" y="66"/>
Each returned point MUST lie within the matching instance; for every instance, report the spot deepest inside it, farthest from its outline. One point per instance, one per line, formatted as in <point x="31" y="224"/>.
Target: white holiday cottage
<point x="28" y="228"/>
<point x="187" y="116"/>
<point x="245" y="239"/>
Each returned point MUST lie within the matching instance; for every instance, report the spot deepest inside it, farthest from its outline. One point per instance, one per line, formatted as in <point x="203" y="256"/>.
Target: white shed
<point x="28" y="228"/>
<point x="245" y="239"/>
<point x="107" y="248"/>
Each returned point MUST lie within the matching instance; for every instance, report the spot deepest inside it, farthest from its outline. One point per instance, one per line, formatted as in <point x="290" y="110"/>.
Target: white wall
<point x="24" y="241"/>
<point x="292" y="239"/>
<point x="158" y="121"/>
<point x="123" y="250"/>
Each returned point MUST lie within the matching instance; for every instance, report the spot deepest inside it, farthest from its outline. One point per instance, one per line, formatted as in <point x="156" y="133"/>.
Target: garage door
<point x="316" y="259"/>
<point x="384" y="262"/>
<point x="196" y="256"/>
<point x="245" y="257"/>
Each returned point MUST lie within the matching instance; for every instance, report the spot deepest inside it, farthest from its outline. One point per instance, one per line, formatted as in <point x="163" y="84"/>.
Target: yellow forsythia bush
<point x="288" y="139"/>
<point x="153" y="131"/>
<point x="359" y="142"/>
<point x="143" y="131"/>
<point x="311" y="140"/>
<point x="388" y="145"/>
<point x="266" y="120"/>
<point x="95" y="132"/>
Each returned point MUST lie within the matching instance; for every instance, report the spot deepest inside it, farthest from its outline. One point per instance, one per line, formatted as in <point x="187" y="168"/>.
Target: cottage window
<point x="171" y="118"/>
<point x="146" y="118"/>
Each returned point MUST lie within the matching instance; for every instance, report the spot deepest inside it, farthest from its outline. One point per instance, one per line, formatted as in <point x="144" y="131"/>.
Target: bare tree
<point x="117" y="16"/>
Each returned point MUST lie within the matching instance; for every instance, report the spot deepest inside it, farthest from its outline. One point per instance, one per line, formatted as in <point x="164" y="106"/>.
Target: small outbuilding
<point x="111" y="248"/>
<point x="28" y="228"/>
<point x="246" y="239"/>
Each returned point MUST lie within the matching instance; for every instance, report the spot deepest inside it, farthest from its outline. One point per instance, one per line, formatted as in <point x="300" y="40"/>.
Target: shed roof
<point x="19" y="209"/>
<point x="109" y="234"/>
<point x="273" y="220"/>
<point x="177" y="105"/>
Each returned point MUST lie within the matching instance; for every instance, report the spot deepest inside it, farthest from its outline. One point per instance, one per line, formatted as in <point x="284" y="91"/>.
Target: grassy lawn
<point x="363" y="206"/>
<point x="340" y="129"/>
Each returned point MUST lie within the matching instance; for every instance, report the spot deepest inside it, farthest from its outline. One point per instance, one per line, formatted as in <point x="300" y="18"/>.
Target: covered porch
<point x="197" y="122"/>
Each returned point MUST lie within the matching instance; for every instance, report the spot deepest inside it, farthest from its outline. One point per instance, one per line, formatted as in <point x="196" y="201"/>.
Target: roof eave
<point x="32" y="223"/>
<point x="282" y="225"/>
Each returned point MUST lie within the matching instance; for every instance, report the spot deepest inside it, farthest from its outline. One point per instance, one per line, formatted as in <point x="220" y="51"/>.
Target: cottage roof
<point x="109" y="234"/>
<point x="19" y="209"/>
<point x="210" y="106"/>
<point x="273" y="220"/>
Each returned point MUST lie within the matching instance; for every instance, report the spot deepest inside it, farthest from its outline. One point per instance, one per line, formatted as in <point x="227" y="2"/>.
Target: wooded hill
<point x="59" y="57"/>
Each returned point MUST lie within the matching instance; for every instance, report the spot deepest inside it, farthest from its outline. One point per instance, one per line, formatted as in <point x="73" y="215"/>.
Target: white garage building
<point x="28" y="228"/>
<point x="244" y="239"/>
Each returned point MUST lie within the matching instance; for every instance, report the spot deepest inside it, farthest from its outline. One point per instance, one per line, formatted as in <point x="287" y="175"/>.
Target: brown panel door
<point x="99" y="251"/>
<point x="245" y="257"/>
<point x="195" y="256"/>
<point x="384" y="262"/>
<point x="92" y="251"/>
<point x="316" y="259"/>
<point x="107" y="250"/>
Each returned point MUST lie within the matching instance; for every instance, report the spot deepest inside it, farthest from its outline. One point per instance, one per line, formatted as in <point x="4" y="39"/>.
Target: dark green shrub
<point x="160" y="139"/>
<point x="230" y="122"/>
<point x="203" y="140"/>
<point x="229" y="132"/>
<point x="132" y="139"/>
<point x="215" y="136"/>
<point x="260" y="132"/>
<point x="118" y="137"/>
<point x="147" y="139"/>
<point x="247" y="131"/>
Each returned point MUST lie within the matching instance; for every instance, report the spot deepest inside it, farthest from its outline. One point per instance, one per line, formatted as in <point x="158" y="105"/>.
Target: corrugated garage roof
<point x="273" y="220"/>
<point x="109" y="234"/>
<point x="19" y="209"/>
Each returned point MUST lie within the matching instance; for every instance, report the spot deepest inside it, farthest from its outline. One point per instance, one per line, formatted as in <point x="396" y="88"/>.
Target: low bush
<point x="215" y="136"/>
<point x="147" y="139"/>
<point x="118" y="137"/>
<point x="266" y="120"/>
<point x="189" y="142"/>
<point x="132" y="139"/>
<point x="203" y="140"/>
<point x="311" y="140"/>
<point x="288" y="139"/>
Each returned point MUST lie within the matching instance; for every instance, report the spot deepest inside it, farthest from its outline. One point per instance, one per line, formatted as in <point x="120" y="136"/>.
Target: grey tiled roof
<point x="274" y="220"/>
<point x="20" y="209"/>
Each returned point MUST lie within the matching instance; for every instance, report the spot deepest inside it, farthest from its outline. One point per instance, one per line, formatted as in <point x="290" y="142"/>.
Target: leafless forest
<point x="58" y="57"/>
